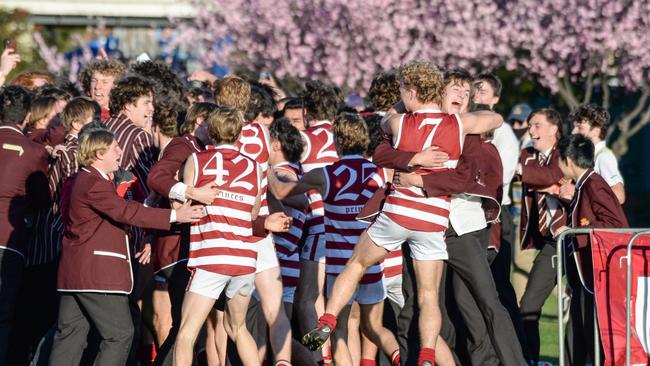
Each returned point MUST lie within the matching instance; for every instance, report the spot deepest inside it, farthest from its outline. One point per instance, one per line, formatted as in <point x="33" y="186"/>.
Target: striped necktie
<point x="542" y="208"/>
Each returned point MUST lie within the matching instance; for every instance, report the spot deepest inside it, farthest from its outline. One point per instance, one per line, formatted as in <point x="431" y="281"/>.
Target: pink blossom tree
<point x="346" y="42"/>
<point x="575" y="48"/>
<point x="570" y="47"/>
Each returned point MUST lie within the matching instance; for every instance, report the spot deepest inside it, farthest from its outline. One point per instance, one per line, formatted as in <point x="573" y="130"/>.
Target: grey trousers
<point x="108" y="313"/>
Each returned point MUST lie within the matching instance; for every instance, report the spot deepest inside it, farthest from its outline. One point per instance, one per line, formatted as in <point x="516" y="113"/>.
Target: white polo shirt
<point x="508" y="146"/>
<point x="606" y="164"/>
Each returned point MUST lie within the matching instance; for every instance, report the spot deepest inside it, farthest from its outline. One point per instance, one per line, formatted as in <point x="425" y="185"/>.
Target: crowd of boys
<point x="145" y="221"/>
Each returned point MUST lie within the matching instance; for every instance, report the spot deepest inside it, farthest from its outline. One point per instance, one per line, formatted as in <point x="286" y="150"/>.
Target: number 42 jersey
<point x="222" y="242"/>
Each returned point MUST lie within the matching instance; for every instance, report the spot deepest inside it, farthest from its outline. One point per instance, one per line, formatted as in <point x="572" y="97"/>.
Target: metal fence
<point x="628" y="290"/>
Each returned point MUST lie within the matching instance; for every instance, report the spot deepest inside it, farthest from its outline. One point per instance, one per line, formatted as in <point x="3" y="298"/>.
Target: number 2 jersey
<point x="319" y="152"/>
<point x="350" y="182"/>
<point x="222" y="242"/>
<point x="410" y="207"/>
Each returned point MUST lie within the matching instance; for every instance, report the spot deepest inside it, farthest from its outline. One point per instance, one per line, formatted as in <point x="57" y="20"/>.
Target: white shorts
<point x="266" y="257"/>
<point x="365" y="294"/>
<point x="393" y="286"/>
<point x="211" y="284"/>
<point x="425" y="246"/>
<point x="314" y="248"/>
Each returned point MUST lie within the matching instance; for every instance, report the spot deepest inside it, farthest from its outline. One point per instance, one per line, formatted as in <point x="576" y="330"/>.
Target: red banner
<point x="609" y="283"/>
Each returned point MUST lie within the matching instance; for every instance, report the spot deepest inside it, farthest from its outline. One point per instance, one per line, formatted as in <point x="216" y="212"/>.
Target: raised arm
<point x="315" y="179"/>
<point x="480" y="122"/>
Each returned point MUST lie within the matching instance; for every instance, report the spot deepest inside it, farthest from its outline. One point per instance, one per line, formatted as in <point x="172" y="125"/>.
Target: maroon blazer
<point x="479" y="173"/>
<point x="536" y="176"/>
<point x="162" y="176"/>
<point x="95" y="255"/>
<point x="171" y="246"/>
<point x="595" y="206"/>
<point x="23" y="187"/>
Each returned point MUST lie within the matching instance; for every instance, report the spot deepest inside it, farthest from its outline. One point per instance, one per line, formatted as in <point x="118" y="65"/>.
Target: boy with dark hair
<point x="294" y="111"/>
<point x="24" y="166"/>
<point x="321" y="103"/>
<point x="593" y="121"/>
<point x="384" y="91"/>
<point x="131" y="107"/>
<point x="285" y="150"/>
<point x="594" y="205"/>
<point x="261" y="105"/>
<point x="488" y="94"/>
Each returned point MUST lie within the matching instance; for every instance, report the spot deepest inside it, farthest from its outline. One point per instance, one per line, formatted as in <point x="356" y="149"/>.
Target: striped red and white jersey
<point x="286" y="244"/>
<point x="319" y="152"/>
<point x="222" y="241"/>
<point x="254" y="142"/>
<point x="350" y="182"/>
<point x="319" y="146"/>
<point x="393" y="264"/>
<point x="410" y="207"/>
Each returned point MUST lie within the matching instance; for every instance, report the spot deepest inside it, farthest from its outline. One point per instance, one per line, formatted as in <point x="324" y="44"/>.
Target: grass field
<point x="548" y="331"/>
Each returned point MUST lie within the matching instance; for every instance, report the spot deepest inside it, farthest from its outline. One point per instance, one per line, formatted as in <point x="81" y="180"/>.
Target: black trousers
<point x="11" y="275"/>
<point x="178" y="276"/>
<point x="38" y="304"/>
<point x="580" y="329"/>
<point x="467" y="258"/>
<point x="108" y="313"/>
<point x="501" y="273"/>
<point x="468" y="333"/>
<point x="541" y="281"/>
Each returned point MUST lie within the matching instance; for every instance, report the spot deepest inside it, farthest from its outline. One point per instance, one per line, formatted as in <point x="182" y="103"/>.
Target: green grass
<point x="548" y="331"/>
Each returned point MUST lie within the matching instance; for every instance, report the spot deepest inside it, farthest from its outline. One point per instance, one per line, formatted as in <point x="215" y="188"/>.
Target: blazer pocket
<point x="109" y="254"/>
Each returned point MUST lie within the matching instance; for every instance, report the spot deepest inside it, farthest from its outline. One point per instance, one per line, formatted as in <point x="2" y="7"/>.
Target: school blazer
<point x="533" y="177"/>
<point x="172" y="246"/>
<point x="23" y="187"/>
<point x="595" y="206"/>
<point x="95" y="254"/>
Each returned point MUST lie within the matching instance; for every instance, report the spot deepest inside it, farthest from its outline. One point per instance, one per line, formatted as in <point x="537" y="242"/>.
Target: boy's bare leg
<point x="221" y="337"/>
<point x="269" y="288"/>
<point x="340" y="352"/>
<point x="235" y="324"/>
<point x="366" y="253"/>
<point x="211" y="350"/>
<point x="162" y="313"/>
<point x="196" y="309"/>
<point x="354" y="333"/>
<point x="427" y="277"/>
<point x="372" y="327"/>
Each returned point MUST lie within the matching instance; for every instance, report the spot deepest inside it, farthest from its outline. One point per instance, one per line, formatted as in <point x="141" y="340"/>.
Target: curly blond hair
<point x="233" y="92"/>
<point x="425" y="78"/>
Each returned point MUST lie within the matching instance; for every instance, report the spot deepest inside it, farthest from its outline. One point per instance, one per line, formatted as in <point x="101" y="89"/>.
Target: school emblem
<point x="584" y="221"/>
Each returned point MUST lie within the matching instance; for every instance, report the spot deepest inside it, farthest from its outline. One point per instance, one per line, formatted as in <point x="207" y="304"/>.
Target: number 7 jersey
<point x="222" y="242"/>
<point x="410" y="207"/>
